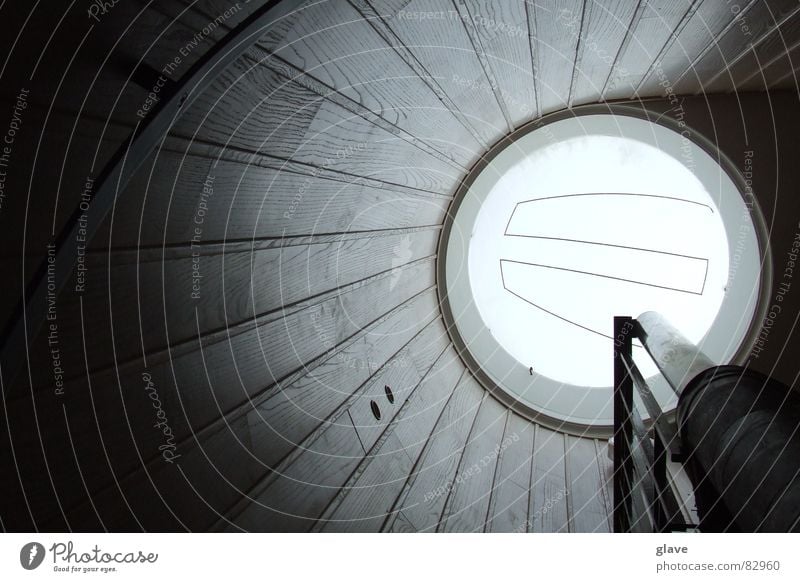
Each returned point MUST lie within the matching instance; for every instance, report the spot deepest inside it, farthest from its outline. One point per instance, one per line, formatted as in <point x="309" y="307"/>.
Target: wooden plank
<point x="189" y="290"/>
<point x="420" y="506"/>
<point x="781" y="74"/>
<point x="402" y="377"/>
<point x="468" y="502"/>
<point x="211" y="9"/>
<point x="366" y="505"/>
<point x="761" y="63"/>
<point x="586" y="490"/>
<point x="648" y="35"/>
<point x="195" y="387"/>
<point x="282" y="420"/>
<point x="295" y="499"/>
<point x="709" y="20"/>
<point x="549" y="491"/>
<point x="508" y="509"/>
<point x="347" y="143"/>
<point x="251" y="108"/>
<point x="606" y="466"/>
<point x="605" y="28"/>
<point x="557" y="31"/>
<point x="280" y="489"/>
<point x="249" y="202"/>
<point x="415" y="426"/>
<point x="365" y="501"/>
<point x="443" y="48"/>
<point x="471" y="24"/>
<point x="748" y="28"/>
<point x="259" y="434"/>
<point x="503" y="35"/>
<point x="432" y="146"/>
<point x="335" y="45"/>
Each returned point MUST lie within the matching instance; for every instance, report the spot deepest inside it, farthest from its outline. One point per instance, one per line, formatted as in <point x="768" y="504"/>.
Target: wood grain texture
<point x="700" y="29"/>
<point x="254" y="437"/>
<point x="468" y="503"/>
<point x="508" y="509"/>
<point x="443" y="49"/>
<point x="549" y="491"/>
<point x="365" y="501"/>
<point x="750" y="23"/>
<point x="251" y="108"/>
<point x="503" y="33"/>
<point x="650" y="33"/>
<point x="298" y="491"/>
<point x="766" y="55"/>
<point x="586" y="489"/>
<point x="420" y="505"/>
<point x="558" y="29"/>
<point x="606" y="465"/>
<point x="781" y="73"/>
<point x="249" y="201"/>
<point x="606" y="26"/>
<point x="253" y="285"/>
<point x="195" y="387"/>
<point x="350" y="144"/>
<point x="333" y="44"/>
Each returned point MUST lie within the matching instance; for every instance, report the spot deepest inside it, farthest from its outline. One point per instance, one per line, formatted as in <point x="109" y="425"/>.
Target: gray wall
<point x="322" y="163"/>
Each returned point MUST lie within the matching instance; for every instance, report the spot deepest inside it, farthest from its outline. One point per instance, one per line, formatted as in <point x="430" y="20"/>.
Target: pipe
<point x="741" y="431"/>
<point x="678" y="359"/>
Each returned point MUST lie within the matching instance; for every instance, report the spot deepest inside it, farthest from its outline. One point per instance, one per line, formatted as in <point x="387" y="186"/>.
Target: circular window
<point x="583" y="219"/>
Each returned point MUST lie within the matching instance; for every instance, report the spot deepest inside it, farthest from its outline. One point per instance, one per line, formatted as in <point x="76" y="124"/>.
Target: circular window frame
<point x="508" y="398"/>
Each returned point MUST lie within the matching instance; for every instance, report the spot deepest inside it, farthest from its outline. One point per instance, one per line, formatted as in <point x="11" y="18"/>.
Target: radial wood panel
<point x="767" y="60"/>
<point x="502" y="31"/>
<point x="508" y="509"/>
<point x="650" y="31"/>
<point x="294" y="496"/>
<point x="420" y="506"/>
<point x="365" y="501"/>
<point x="558" y="29"/>
<point x="605" y="27"/>
<point x="467" y="505"/>
<point x="548" y="510"/>
<point x="694" y="34"/>
<point x="750" y="28"/>
<point x="588" y="511"/>
<point x="266" y="429"/>
<point x="254" y="284"/>
<point x="247" y="201"/>
<point x="372" y="74"/>
<point x="196" y="386"/>
<point x="444" y="49"/>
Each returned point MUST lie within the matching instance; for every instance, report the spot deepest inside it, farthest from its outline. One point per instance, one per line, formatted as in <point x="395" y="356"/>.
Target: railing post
<point x="623" y="425"/>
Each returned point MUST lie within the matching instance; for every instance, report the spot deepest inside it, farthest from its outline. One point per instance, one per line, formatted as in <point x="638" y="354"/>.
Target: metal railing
<point x="644" y="494"/>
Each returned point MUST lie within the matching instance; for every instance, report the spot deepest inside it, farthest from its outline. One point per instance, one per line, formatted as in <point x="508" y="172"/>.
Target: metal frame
<point x="643" y="493"/>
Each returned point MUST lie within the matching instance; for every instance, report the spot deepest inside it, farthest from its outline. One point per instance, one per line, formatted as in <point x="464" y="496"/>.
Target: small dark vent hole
<point x="376" y="411"/>
<point x="389" y="395"/>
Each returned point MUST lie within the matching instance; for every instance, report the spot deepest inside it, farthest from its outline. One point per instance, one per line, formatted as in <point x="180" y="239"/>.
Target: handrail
<point x="679" y="361"/>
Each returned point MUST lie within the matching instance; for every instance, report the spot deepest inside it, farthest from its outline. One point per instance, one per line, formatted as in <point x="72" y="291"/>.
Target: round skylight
<point x="584" y="219"/>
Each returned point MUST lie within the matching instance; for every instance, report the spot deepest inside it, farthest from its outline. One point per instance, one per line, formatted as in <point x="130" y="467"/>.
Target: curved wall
<point x="270" y="270"/>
